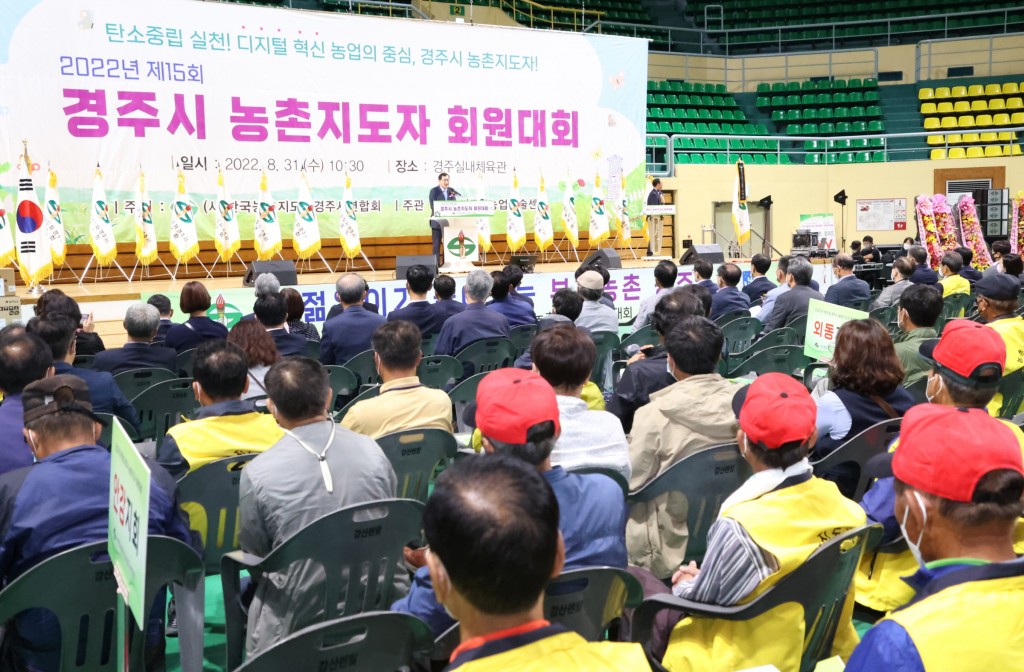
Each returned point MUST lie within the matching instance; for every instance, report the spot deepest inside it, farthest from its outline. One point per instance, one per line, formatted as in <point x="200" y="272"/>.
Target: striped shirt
<point x="733" y="567"/>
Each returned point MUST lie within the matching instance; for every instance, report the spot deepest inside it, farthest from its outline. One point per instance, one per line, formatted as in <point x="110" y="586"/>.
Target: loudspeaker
<point x="527" y="262"/>
<point x="606" y="257"/>
<point x="712" y="253"/>
<point x="402" y="264"/>
<point x="282" y="268"/>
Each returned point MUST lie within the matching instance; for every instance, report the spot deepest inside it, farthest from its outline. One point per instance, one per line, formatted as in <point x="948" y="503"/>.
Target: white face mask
<point x="915" y="546"/>
<point x="931" y="397"/>
<point x="906" y="246"/>
<point x="668" y="368"/>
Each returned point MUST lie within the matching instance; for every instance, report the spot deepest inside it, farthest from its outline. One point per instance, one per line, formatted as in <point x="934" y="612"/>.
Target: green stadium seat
<point x="683" y="159"/>
<point x="771" y="159"/>
<point x="763" y="87"/>
<point x="810" y="129"/>
<point x="876" y="127"/>
<point x="791" y="129"/>
<point x="862" y="157"/>
<point x="878" y="157"/>
<point x="813" y="159"/>
<point x="696" y="159"/>
<point x="827" y="129"/>
<point x="784" y="160"/>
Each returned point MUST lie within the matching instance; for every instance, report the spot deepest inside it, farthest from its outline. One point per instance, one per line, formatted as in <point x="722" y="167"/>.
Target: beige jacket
<point x="681" y="419"/>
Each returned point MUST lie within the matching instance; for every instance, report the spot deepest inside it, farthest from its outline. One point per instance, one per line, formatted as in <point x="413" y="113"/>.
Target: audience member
<point x="350" y="332"/>
<point x="849" y="289"/>
<point x="24" y="359"/>
<point x="952" y="282"/>
<point x="271" y="311"/>
<point x="902" y="269"/>
<point x="566" y="306"/>
<point x="907" y="243"/>
<point x="665" y="274"/>
<point x="919" y="309"/>
<point x="87" y="341"/>
<point x="765" y="530"/>
<point x="972" y="275"/>
<point x="693" y="413"/>
<point x="162" y="304"/>
<point x="296" y="315"/>
<point x="702" y="268"/>
<point x="428" y="317"/>
<point x="923" y="273"/>
<point x="768" y="303"/>
<point x="595" y="316"/>
<point x="793" y="303"/>
<point x="141" y="322"/>
<point x="225" y="425"/>
<point x="515" y="279"/>
<point x="260" y="354"/>
<point x="444" y="292"/>
<point x="194" y="302"/>
<point x="728" y="298"/>
<point x="606" y="277"/>
<point x="475" y="322"/>
<point x="700" y="293"/>
<point x="869" y="253"/>
<point x="1013" y="265"/>
<point x="266" y="283"/>
<point x="403" y="403"/>
<point x="57" y="330"/>
<point x="759" y="287"/>
<point x="317" y="464"/>
<point x="858" y="256"/>
<point x="62" y="502"/>
<point x="997" y="298"/>
<point x="999" y="248"/>
<point x="518" y="313"/>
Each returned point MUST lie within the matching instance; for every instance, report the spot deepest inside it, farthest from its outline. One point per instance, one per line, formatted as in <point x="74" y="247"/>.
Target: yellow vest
<point x="974" y="626"/>
<point x="563" y="652"/>
<point x="954" y="284"/>
<point x="1012" y="331"/>
<point x="210" y="439"/>
<point x="790" y="524"/>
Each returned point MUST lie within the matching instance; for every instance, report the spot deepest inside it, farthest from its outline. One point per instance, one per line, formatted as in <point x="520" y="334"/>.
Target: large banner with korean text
<point x="155" y="87"/>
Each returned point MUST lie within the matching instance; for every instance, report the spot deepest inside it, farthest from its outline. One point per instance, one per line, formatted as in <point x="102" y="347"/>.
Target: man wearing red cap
<point x="957" y="509"/>
<point x="765" y="530"/>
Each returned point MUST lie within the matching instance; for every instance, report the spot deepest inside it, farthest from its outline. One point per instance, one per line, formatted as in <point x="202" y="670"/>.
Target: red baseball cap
<point x="970" y="353"/>
<point x="945" y="451"/>
<point x="511" y="401"/>
<point x="775" y="410"/>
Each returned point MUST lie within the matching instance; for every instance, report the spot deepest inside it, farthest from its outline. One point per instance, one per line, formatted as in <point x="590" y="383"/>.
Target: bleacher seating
<point x="566" y="15"/>
<point x="979" y="109"/>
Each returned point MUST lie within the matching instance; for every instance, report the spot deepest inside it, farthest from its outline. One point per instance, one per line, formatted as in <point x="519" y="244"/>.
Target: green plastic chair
<point x="183" y="362"/>
<point x="704" y="478"/>
<point x="366" y="371"/>
<point x="439" y="371"/>
<point x="427" y="345"/>
<point x="135" y="382"/>
<point x="606" y="342"/>
<point x="722" y="320"/>
<point x="799" y="325"/>
<point x="588" y="600"/>
<point x="858" y="450"/>
<point x="820" y="586"/>
<point x="210" y="497"/>
<point x="521" y="337"/>
<point x="1012" y="389"/>
<point x="787" y="359"/>
<point x="740" y="333"/>
<point x="415" y="455"/>
<point x="370" y="642"/>
<point x="642" y="337"/>
<point x="485" y="355"/>
<point x="344" y="384"/>
<point x="770" y="339"/>
<point x="106" y="433"/>
<point x="462" y="395"/>
<point x="313" y="350"/>
<point x="368" y="393"/>
<point x="340" y="544"/>
<point x="162" y="406"/>
<point x="885" y="315"/>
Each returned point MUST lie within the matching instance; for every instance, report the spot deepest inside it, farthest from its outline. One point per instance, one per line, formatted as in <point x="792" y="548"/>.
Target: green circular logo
<point x="232" y="315"/>
<point x="467" y="246"/>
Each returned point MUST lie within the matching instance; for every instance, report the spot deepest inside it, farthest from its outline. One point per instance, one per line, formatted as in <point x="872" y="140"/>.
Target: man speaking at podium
<point x="442" y="192"/>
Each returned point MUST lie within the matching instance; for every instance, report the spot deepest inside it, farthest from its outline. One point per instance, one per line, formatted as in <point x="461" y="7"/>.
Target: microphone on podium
<point x="452" y="192"/>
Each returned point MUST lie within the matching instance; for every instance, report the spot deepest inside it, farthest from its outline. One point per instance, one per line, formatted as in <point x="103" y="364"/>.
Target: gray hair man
<point x="793" y="304"/>
<point x="141" y="322"/>
<point x="475" y="323"/>
<point x="350" y="331"/>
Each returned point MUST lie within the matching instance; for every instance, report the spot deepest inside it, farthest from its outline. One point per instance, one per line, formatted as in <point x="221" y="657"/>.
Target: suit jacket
<point x="337" y="309"/>
<point x="106" y="396"/>
<point x="449" y="307"/>
<point x="923" y="275"/>
<point x="517" y="312"/>
<point x="161" y="331"/>
<point x="135" y="356"/>
<point x="726" y="300"/>
<point x="473" y="324"/>
<point x="513" y="294"/>
<point x="348" y="334"/>
<point x="972" y="275"/>
<point x="287" y="343"/>
<point x="709" y="285"/>
<point x="655" y="197"/>
<point x="848" y="290"/>
<point x="184" y="337"/>
<point x="429" y="317"/>
<point x="791" y="305"/>
<point x="758" y="287"/>
<point x="437" y="194"/>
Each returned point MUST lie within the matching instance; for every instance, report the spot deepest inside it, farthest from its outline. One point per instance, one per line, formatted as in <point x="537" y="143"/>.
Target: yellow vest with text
<point x="1012" y="331"/>
<point x="954" y="284"/>
<point x="976" y="626"/>
<point x="564" y="652"/>
<point x="790" y="524"/>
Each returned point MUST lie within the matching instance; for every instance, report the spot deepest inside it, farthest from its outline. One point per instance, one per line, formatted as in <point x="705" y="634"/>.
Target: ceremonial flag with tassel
<point x="184" y="239"/>
<point x="515" y="228"/>
<point x="349" y="229"/>
<point x="53" y="221"/>
<point x="543" y="231"/>
<point x="33" y="249"/>
<point x="306" y="232"/>
<point x="483" y="224"/>
<point x="225" y="236"/>
<point x="145" y="231"/>
<point x="598" y="215"/>
<point x="569" y="222"/>
<point x="625" y="235"/>
<point x="267" y="230"/>
<point x="740" y="214"/>
<point x="101" y="231"/>
<point x="7" y="251"/>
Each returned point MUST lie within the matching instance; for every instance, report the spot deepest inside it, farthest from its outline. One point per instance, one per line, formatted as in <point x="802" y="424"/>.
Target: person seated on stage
<point x="266" y="283"/>
<point x="271" y="311"/>
<point x="564" y="356"/>
<point x="703" y="269"/>
<point x="141" y="322"/>
<point x="350" y="332"/>
<point x="475" y="322"/>
<point x="923" y="273"/>
<point x="225" y="425"/>
<point x="595" y="316"/>
<point x="444" y="296"/>
<point x="765" y="530"/>
<point x="792" y="304"/>
<point x="919" y="309"/>
<point x="87" y="341"/>
<point x="958" y="509"/>
<point x="997" y="299"/>
<point x="194" y="301"/>
<point x="757" y="288"/>
<point x="999" y="248"/>
<point x="287" y="487"/>
<point x="24" y="359"/>
<point x="260" y="352"/>
<point x="728" y="298"/>
<point x="518" y="416"/>
<point x="902" y="269"/>
<point x="869" y="253"/>
<point x="58" y="332"/>
<point x="693" y="413"/>
<point x="517" y="312"/>
<point x="515" y="279"/>
<point x="972" y="275"/>
<point x="952" y="282"/>
<point x="428" y="317"/>
<point x="403" y="403"/>
<point x="665" y="274"/>
<point x="647" y="372"/>
<point x="848" y="289"/>
<point x="163" y="305"/>
<point x="296" y="313"/>
<point x="606" y="277"/>
<point x="61" y="502"/>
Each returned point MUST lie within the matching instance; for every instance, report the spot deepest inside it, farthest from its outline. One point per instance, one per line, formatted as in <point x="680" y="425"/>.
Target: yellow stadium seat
<point x="928" y="108"/>
<point x="993" y="90"/>
<point x="990" y="137"/>
<point x="993" y="151"/>
<point x="1002" y="119"/>
<point x="1010" y="87"/>
<point x="948" y="122"/>
<point x="945" y="108"/>
<point x="961" y="106"/>
<point x="958" y="92"/>
<point x="938" y="154"/>
<point x="942" y="92"/>
<point x="983" y="120"/>
<point x="936" y="140"/>
<point x="965" y="121"/>
<point x="1014" y="103"/>
<point x="971" y="137"/>
<point x="957" y="153"/>
<point x="975" y="153"/>
<point x="1012" y="150"/>
<point x="974" y="90"/>
<point x="979" y="106"/>
<point x="997" y="104"/>
<point x="931" y="123"/>
<point x="927" y="94"/>
<point x="1005" y="136"/>
<point x="1017" y="119"/>
<point x="954" y="139"/>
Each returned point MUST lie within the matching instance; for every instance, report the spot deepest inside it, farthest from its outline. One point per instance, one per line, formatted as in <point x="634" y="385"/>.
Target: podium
<point x="459" y="232"/>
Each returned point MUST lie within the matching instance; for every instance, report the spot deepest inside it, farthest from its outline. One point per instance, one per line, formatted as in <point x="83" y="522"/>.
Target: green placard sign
<point x="456" y="10"/>
<point x="128" y="521"/>
<point x="823" y="322"/>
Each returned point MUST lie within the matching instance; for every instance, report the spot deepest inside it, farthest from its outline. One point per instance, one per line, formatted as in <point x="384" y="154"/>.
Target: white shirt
<point x="769" y="301"/>
<point x="589" y="439"/>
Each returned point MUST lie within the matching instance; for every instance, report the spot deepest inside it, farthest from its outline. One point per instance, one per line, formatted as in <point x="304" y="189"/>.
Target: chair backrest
<point x="415" y="454"/>
<point x="1012" y="389"/>
<point x="606" y="342"/>
<point x="769" y="339"/>
<point x="427" y="345"/>
<point x="366" y="371"/>
<point x="799" y="326"/>
<point x="170" y="561"/>
<point x="344" y="383"/>
<point x="368" y="393"/>
<point x="106" y="434"/>
<point x="439" y="371"/>
<point x="785" y="359"/>
<point x="370" y="642"/>
<point x="486" y="355"/>
<point x="643" y="336"/>
<point x="313" y="350"/>
<point x="860" y="304"/>
<point x="183" y="362"/>
<point x="210" y="497"/>
<point x="616" y="476"/>
<point x="885" y="315"/>
<point x="521" y="337"/>
<point x="588" y="600"/>
<point x="462" y="395"/>
<point x="135" y="382"/>
<point x="740" y="333"/>
<point x="722" y="320"/>
<point x="705" y="478"/>
<point x="858" y="450"/>
<point x="162" y="406"/>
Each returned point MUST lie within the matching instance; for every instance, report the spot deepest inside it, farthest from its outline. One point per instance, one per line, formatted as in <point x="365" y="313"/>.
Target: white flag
<point x="225" y="236"/>
<point x="569" y="223"/>
<point x="267" y="230"/>
<point x="483" y="224"/>
<point x="348" y="228"/>
<point x="53" y="221"/>
<point x="145" y="232"/>
<point x="543" y="231"/>
<point x="515" y="228"/>
<point x="306" y="232"/>
<point x="740" y="214"/>
<point x="101" y="231"/>
<point x="184" y="239"/>
<point x="625" y="235"/>
<point x="33" y="249"/>
<point x="598" y="215"/>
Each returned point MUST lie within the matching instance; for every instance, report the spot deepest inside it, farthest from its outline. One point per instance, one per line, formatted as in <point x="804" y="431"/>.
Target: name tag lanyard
<point x="321" y="456"/>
